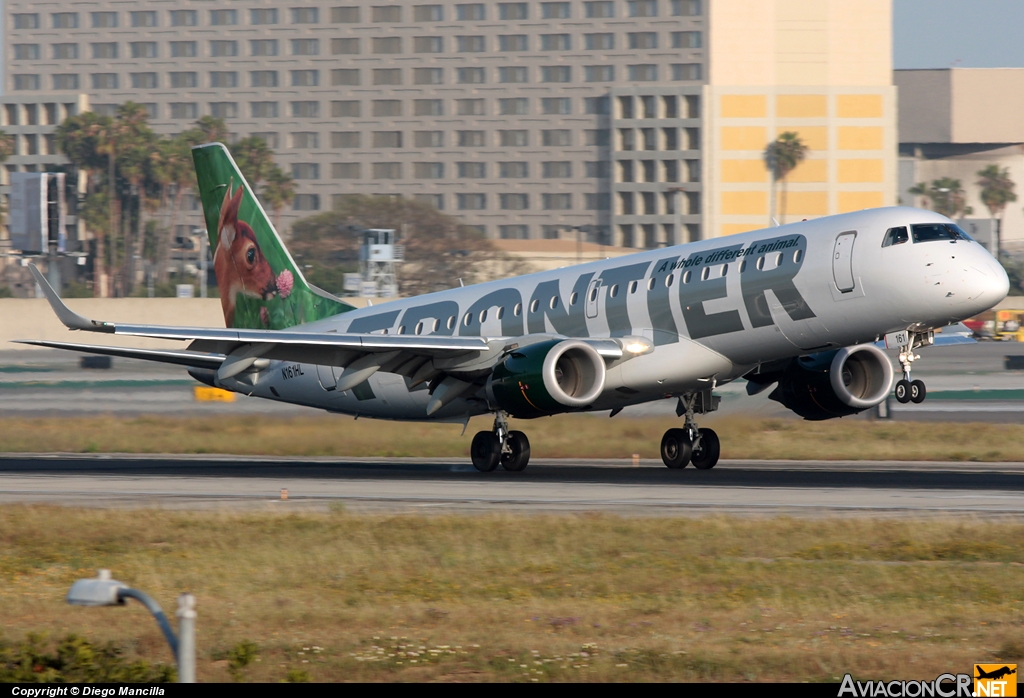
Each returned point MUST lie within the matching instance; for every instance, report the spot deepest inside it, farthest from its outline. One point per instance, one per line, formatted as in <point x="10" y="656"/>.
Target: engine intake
<point x="558" y="375"/>
<point x="836" y="383"/>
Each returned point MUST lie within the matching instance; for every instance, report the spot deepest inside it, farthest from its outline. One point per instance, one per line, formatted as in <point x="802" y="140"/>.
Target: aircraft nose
<point x="991" y="284"/>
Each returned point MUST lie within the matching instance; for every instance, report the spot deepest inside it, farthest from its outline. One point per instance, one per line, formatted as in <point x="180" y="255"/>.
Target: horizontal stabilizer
<point x="182" y="358"/>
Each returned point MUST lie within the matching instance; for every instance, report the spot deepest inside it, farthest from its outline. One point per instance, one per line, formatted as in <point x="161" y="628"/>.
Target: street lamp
<point x="104" y="591"/>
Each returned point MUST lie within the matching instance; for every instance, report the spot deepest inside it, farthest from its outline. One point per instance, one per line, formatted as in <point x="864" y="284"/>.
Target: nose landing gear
<point x="680" y="447"/>
<point x="510" y="449"/>
<point x="908" y="390"/>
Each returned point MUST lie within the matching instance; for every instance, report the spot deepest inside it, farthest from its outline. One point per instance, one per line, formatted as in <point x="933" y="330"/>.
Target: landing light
<point x="637" y="346"/>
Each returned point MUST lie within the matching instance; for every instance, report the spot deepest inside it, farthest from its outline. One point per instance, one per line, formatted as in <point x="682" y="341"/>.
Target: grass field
<point x="339" y="596"/>
<point x="562" y="436"/>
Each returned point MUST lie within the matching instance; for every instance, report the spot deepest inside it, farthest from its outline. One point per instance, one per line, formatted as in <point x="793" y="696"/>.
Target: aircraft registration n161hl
<point x="803" y="307"/>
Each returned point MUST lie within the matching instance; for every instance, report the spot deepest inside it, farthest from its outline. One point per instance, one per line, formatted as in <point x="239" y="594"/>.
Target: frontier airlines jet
<point x="804" y="307"/>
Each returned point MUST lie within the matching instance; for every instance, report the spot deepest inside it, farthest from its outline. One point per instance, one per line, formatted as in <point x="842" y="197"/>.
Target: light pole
<point x="104" y="591"/>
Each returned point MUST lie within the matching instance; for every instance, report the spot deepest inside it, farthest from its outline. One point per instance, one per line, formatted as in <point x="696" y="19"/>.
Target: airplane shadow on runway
<point x="943" y="477"/>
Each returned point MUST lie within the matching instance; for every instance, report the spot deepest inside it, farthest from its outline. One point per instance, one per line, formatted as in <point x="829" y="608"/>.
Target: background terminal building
<point x="644" y="120"/>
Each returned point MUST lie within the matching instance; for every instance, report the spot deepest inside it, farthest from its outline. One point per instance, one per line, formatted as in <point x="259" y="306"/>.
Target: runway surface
<point x="814" y="488"/>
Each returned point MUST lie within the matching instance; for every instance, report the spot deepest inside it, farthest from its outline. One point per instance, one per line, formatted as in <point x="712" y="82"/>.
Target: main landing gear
<point x="691" y="444"/>
<point x="510" y="449"/>
<point x="908" y="390"/>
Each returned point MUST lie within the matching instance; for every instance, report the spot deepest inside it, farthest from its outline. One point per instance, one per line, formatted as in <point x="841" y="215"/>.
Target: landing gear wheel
<point x="705" y="456"/>
<point x="485" y="451"/>
<point x="903" y="390"/>
<point x="917" y="391"/>
<point x="675" y="448"/>
<point x="518" y="455"/>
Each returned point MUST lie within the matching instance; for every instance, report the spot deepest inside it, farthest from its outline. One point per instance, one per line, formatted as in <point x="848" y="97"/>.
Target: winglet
<point x="65" y="314"/>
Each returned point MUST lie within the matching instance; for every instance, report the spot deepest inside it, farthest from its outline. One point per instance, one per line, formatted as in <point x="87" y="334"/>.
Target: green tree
<point x="945" y="196"/>
<point x="254" y="158"/>
<point x="209" y="129"/>
<point x="996" y="193"/>
<point x="781" y="157"/>
<point x="278" y="192"/>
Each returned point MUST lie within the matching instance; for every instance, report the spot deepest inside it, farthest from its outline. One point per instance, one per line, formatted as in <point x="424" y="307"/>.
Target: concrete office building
<point x="523" y="118"/>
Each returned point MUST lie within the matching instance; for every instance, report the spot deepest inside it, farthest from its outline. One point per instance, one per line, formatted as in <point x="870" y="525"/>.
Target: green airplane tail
<point x="261" y="287"/>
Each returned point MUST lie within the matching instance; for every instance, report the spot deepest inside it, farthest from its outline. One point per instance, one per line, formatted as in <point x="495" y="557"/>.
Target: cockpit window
<point x="927" y="232"/>
<point x="895" y="236"/>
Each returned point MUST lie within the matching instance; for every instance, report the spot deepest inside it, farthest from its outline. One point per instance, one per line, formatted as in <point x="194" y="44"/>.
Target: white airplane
<point x="803" y="306"/>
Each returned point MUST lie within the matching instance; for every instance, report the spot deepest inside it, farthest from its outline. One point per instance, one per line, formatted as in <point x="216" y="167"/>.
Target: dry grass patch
<point x="598" y="598"/>
<point x="561" y="436"/>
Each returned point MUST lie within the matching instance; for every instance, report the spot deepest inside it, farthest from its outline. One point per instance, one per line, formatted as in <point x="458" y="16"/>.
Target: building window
<point x="554" y="10"/>
<point x="263" y="78"/>
<point x="100" y="20"/>
<point x="387" y="170"/>
<point x="434" y="200"/>
<point x="386" y="107"/>
<point x="599" y="42"/>
<point x="386" y="44"/>
<point x="513" y="42"/>
<point x="183" y="18"/>
<point x="555" y="73"/>
<point x="305" y="15"/>
<point x="306" y="109"/>
<point x="516" y="73"/>
<point x="643" y="73"/>
<point x="597" y="202"/>
<point x="349" y="107"/>
<point x="387" y="13"/>
<point x="30" y="20"/>
<point x="224" y="110"/>
<point x="599" y="73"/>
<point x="556" y="202"/>
<point x="428" y="107"/>
<point x="306" y="202"/>
<point x="471" y="202"/>
<point x="62" y="52"/>
<point x="268" y="137"/>
<point x="427" y="44"/>
<point x="305" y="47"/>
<point x="65" y="20"/>
<point x="470" y="12"/>
<point x="469" y="107"/>
<point x="685" y="39"/>
<point x="69" y="81"/>
<point x="344" y="46"/>
<point x="344" y="76"/>
<point x="223" y="78"/>
<point x="428" y="170"/>
<point x="557" y="169"/>
<point x="263" y="47"/>
<point x="102" y="81"/>
<point x="263" y="15"/>
<point x="469" y="44"/>
<point x="27" y="52"/>
<point x="470" y="76"/>
<point x="643" y="40"/>
<point x="555" y="105"/>
<point x="143" y="18"/>
<point x="305" y="170"/>
<point x="179" y="49"/>
<point x="345" y="170"/>
<point x="184" y="110"/>
<point x="346" y="139"/>
<point x="555" y="42"/>
<point x="686" y="71"/>
<point x="104" y="50"/>
<point x="143" y="49"/>
<point x="512" y="10"/>
<point x="514" y="106"/>
<point x="387" y="139"/>
<point x="263" y="110"/>
<point x="221" y="48"/>
<point x="559" y="137"/>
<point x="223" y="17"/>
<point x="345" y="15"/>
<point x="514" y="138"/>
<point x="428" y="13"/>
<point x="513" y="232"/>
<point x="642" y="8"/>
<point x="470" y="139"/>
<point x="428" y="139"/>
<point x="686" y="8"/>
<point x="428" y="76"/>
<point x="599" y="169"/>
<point x="184" y="80"/>
<point x="603" y="9"/>
<point x="513" y="170"/>
<point x="143" y="81"/>
<point x="471" y="170"/>
<point x="387" y="76"/>
<point x="305" y="78"/>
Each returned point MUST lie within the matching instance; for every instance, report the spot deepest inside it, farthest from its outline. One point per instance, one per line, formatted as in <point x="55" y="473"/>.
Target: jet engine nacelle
<point x="553" y="376"/>
<point x="835" y="383"/>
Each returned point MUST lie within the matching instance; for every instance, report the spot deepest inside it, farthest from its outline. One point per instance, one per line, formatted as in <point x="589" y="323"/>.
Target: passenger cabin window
<point x="895" y="236"/>
<point x="938" y="231"/>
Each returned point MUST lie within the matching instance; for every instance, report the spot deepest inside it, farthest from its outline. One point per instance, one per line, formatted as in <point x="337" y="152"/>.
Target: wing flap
<point x="181" y="358"/>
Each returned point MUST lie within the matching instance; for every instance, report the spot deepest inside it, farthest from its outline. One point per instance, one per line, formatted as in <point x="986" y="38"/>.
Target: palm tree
<point x="278" y="192"/>
<point x="210" y="129"/>
<point x="945" y="196"/>
<point x="781" y="157"/>
<point x="254" y="159"/>
<point x="996" y="192"/>
<point x="136" y="145"/>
